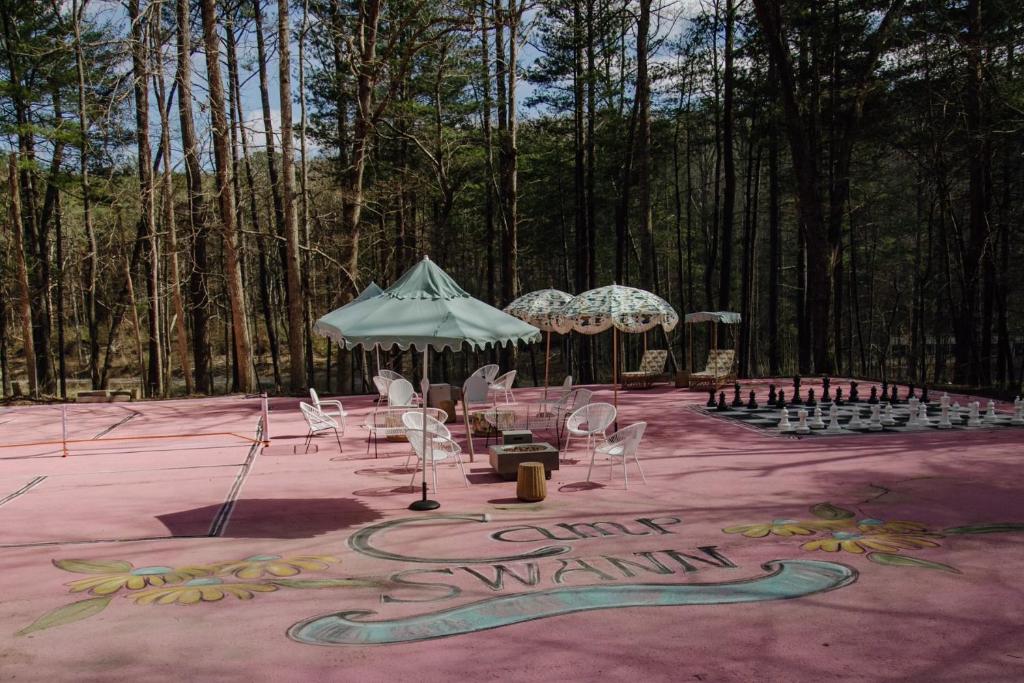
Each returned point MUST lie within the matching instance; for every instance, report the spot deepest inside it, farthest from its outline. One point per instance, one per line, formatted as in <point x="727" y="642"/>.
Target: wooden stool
<point x="530" y="485"/>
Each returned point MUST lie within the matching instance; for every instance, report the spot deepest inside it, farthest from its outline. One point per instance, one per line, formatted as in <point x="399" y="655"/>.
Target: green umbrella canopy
<point x="372" y="290"/>
<point x="424" y="308"/>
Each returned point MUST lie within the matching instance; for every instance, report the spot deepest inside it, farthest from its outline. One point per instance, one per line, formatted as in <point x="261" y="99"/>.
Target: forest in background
<point x="848" y="175"/>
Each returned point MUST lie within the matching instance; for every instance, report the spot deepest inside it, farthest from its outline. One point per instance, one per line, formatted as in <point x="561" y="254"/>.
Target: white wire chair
<point x="383" y="384"/>
<point x="475" y="390"/>
<point x="387" y="423"/>
<point x="488" y="372"/>
<point x="318" y="422"/>
<point x="558" y="393"/>
<point x="390" y="374"/>
<point x="438" y="448"/>
<point x="414" y="420"/>
<point x="401" y="393"/>
<point x="591" y="421"/>
<point x="339" y="410"/>
<point x="622" y="444"/>
<point x="503" y="385"/>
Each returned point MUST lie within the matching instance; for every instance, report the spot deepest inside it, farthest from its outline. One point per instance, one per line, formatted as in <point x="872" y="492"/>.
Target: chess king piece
<point x="894" y="394"/>
<point x="785" y="426"/>
<point x="816" y="421"/>
<point x="839" y="396"/>
<point x="855" y="422"/>
<point x="875" y="424"/>
<point x="973" y="417"/>
<point x="888" y="420"/>
<point x="854" y="397"/>
<point x="924" y="394"/>
<point x="796" y="400"/>
<point x="737" y="402"/>
<point x="771" y="395"/>
<point x="873" y="399"/>
<point x="990" y="413"/>
<point x="1018" y="412"/>
<point x="752" y="403"/>
<point x="810" y="398"/>
<point x="833" y="420"/>
<point x="944" y="400"/>
<point x="885" y="390"/>
<point x="826" y="389"/>
<point x="944" y="422"/>
<point x="721" y="402"/>
<point x="801" y="425"/>
<point x="922" y="415"/>
<point x="711" y="399"/>
<point x="780" y="402"/>
<point x="912" y="413"/>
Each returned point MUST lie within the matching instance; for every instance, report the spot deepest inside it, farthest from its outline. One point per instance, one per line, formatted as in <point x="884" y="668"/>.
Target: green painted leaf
<point x="325" y="583"/>
<point x="830" y="511"/>
<point x="90" y="567"/>
<point x="66" y="614"/>
<point x="994" y="528"/>
<point x="894" y="560"/>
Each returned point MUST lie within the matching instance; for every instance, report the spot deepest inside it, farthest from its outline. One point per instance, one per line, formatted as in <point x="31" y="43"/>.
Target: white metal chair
<point x="622" y="444"/>
<point x="383" y="384"/>
<point x="503" y="385"/>
<point x="488" y="372"/>
<point x="413" y="419"/>
<point x="401" y="393"/>
<point x="318" y="422"/>
<point x="557" y="394"/>
<point x="390" y="374"/>
<point x="438" y="448"/>
<point x="590" y="421"/>
<point x="475" y="390"/>
<point x="339" y="410"/>
<point x="387" y="423"/>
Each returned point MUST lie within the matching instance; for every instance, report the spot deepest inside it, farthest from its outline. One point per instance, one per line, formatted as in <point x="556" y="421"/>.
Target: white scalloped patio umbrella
<point x="371" y="290"/>
<point x="621" y="308"/>
<point x="540" y="309"/>
<point x="424" y="309"/>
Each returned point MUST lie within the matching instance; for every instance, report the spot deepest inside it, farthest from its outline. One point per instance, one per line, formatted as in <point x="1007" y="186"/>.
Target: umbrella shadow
<point x="385" y="491"/>
<point x="577" y="486"/>
<point x="284" y="518"/>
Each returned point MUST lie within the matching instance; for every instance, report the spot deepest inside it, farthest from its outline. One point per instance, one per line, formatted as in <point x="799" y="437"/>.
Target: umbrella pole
<point x="547" y="365"/>
<point x="424" y="503"/>
<point x="615" y="373"/>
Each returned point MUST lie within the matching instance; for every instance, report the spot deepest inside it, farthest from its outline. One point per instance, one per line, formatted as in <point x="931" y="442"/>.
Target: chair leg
<point x="458" y="460"/>
<point x="309" y="437"/>
<point x="434" y="467"/>
<point x="369" y="434"/>
<point x="644" y="476"/>
<point x="593" y="454"/>
<point x="337" y="437"/>
<point x="625" y="474"/>
<point x="412" y="482"/>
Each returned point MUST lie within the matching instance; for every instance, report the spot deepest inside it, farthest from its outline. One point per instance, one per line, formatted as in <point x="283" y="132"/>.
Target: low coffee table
<point x="505" y="459"/>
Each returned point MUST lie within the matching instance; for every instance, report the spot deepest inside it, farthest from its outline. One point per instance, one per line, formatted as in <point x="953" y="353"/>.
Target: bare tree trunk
<point x="648" y="259"/>
<point x="307" y="293"/>
<point x="22" y="274"/>
<point x="729" y="164"/>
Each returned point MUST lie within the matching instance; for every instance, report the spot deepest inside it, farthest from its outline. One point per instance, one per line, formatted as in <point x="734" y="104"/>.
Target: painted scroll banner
<point x="788" y="579"/>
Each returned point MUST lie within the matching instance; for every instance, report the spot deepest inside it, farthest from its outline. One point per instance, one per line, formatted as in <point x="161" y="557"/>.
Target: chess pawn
<point x="855" y="422"/>
<point x="801" y="425"/>
<point x="973" y="417"/>
<point x="816" y="421"/>
<point x="810" y="398"/>
<point x="854" y="397"/>
<point x="780" y="402"/>
<point x="833" y="420"/>
<point x="873" y="399"/>
<point x="771" y="395"/>
<point x="922" y="415"/>
<point x="875" y="425"/>
<point x="752" y="403"/>
<point x="990" y="413"/>
<point x="887" y="418"/>
<point x="711" y="399"/>
<point x="944" y="422"/>
<point x="839" y="396"/>
<point x="737" y="402"/>
<point x="1018" y="412"/>
<point x="721" y="402"/>
<point x="784" y="424"/>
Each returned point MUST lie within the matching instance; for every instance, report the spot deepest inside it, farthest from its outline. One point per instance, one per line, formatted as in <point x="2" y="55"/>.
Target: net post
<point x="64" y="429"/>
<point x="265" y="409"/>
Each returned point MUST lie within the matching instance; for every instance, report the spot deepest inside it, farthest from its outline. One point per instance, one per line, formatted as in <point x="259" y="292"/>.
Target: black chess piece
<point x="910" y="392"/>
<point x="771" y="394"/>
<point x="885" y="390"/>
<point x="752" y="403"/>
<point x="894" y="394"/>
<point x="721" y="402"/>
<point x="810" y="398"/>
<point x="924" y="394"/>
<point x="854" y="397"/>
<point x="780" y="402"/>
<point x="839" y="396"/>
<point x="737" y="402"/>
<point x="873" y="399"/>
<point x="711" y="399"/>
<point x="796" y="400"/>
<point x="826" y="393"/>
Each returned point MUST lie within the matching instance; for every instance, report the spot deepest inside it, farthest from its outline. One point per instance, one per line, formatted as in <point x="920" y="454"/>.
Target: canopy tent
<point x="425" y="309"/>
<point x="715" y="318"/>
<point x="540" y="309"/>
<point x="625" y="309"/>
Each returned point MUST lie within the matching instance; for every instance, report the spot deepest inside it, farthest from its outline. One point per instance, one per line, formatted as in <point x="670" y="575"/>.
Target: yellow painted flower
<point x="258" y="566"/>
<point x="784" y="527"/>
<point x="135" y="579"/>
<point x="876" y="526"/>
<point x="201" y="590"/>
<point x="860" y="543"/>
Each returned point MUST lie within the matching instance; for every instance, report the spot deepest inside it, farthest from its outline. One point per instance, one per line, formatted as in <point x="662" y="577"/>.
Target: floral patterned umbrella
<point x="625" y="309"/>
<point x="540" y="309"/>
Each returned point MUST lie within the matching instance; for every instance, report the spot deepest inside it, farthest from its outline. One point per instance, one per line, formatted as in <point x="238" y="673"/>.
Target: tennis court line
<point x="220" y="521"/>
<point x="24" y="489"/>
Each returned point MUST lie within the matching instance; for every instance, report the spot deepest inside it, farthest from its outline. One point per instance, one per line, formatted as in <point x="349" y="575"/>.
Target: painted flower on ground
<point x="114" y="575"/>
<point x="201" y="590"/>
<point x="259" y="566"/>
<point x="891" y="527"/>
<point x="859" y="543"/>
<point x="781" y="527"/>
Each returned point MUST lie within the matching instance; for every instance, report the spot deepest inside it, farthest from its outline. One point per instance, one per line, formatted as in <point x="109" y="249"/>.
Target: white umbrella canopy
<point x="541" y="309"/>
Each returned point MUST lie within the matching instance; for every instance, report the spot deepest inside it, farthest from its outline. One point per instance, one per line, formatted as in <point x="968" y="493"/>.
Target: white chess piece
<point x="887" y="419"/>
<point x="855" y="422"/>
<point x="784" y="424"/>
<point x="833" y="420"/>
<point x="990" y="413"/>
<point x="912" y="416"/>
<point x="801" y="426"/>
<point x="1018" y="412"/>
<point x="973" y="418"/>
<point x="954" y="414"/>
<point x="944" y="401"/>
<point x="816" y="421"/>
<point x="922" y="416"/>
<point x="944" y="422"/>
<point x="875" y="424"/>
